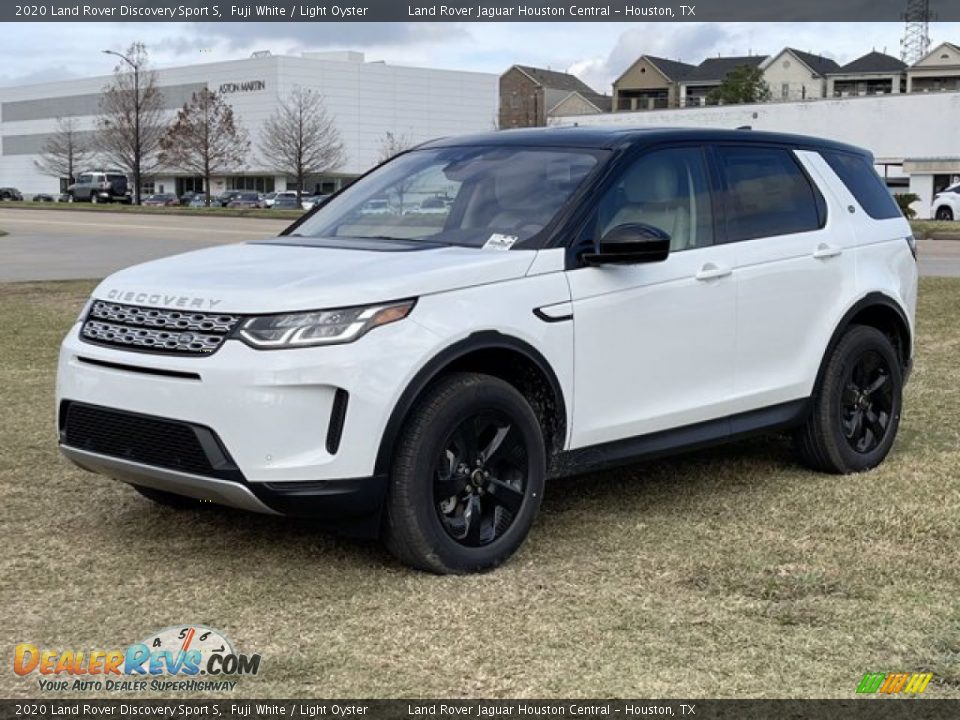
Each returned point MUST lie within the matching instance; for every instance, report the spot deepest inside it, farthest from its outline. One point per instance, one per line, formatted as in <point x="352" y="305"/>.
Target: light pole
<point x="136" y="121"/>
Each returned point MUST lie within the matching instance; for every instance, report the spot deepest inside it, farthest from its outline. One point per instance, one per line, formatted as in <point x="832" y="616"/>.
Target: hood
<point x="267" y="278"/>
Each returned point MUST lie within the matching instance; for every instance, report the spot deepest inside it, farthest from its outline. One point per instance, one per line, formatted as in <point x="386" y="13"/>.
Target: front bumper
<point x="271" y="411"/>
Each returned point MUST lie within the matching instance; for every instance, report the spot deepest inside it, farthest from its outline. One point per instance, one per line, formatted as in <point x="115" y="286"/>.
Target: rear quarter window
<point x="767" y="194"/>
<point x="863" y="183"/>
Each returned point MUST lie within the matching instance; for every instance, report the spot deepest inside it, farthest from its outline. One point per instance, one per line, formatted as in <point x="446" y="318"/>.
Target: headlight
<point x="321" y="327"/>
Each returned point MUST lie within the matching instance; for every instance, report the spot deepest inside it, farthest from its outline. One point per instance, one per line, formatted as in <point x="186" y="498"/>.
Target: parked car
<point x="600" y="295"/>
<point x="285" y="202"/>
<point x="43" y="197"/>
<point x="226" y="198"/>
<point x="946" y="204"/>
<point x="432" y="206"/>
<point x="10" y="193"/>
<point x="245" y="200"/>
<point x="199" y="201"/>
<point x="270" y="198"/>
<point x="100" y="186"/>
<point x="160" y="200"/>
<point x="309" y="203"/>
<point x="375" y="206"/>
<point x="188" y="197"/>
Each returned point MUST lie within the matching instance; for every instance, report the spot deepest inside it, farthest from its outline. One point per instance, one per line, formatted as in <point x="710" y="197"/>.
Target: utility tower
<point x="916" y="31"/>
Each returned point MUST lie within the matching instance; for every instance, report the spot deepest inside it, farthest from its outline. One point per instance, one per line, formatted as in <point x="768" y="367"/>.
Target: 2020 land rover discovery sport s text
<point x="586" y="297"/>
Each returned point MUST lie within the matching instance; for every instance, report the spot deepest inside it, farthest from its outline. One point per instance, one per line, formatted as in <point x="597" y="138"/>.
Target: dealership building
<point x="366" y="100"/>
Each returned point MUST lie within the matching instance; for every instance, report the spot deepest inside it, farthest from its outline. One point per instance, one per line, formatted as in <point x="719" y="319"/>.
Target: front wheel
<point x="944" y="213"/>
<point x="468" y="476"/>
<point x="856" y="407"/>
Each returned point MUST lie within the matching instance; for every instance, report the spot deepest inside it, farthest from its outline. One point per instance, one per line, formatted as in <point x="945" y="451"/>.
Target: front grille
<point x="145" y="439"/>
<point x="157" y="329"/>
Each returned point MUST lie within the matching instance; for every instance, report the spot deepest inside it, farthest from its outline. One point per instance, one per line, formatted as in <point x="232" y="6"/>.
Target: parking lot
<point x="65" y="245"/>
<point x="62" y="245"/>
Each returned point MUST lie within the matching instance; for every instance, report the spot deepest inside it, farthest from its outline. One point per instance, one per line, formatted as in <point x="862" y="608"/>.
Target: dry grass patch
<point x="730" y="572"/>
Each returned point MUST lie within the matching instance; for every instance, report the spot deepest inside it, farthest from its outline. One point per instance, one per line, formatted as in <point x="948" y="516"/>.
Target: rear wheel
<point x="944" y="213"/>
<point x="171" y="500"/>
<point x="468" y="476"/>
<point x="856" y="408"/>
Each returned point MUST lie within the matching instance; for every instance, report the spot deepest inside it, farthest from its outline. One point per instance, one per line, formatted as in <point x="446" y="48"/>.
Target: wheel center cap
<point x="476" y="477"/>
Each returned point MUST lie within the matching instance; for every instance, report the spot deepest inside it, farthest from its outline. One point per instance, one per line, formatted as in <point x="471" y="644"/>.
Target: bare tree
<point x="130" y="125"/>
<point x="205" y="139"/>
<point x="300" y="138"/>
<point x="64" y="151"/>
<point x="393" y="144"/>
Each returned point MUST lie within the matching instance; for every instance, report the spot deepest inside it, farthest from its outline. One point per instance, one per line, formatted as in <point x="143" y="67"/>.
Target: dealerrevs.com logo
<point x="190" y="658"/>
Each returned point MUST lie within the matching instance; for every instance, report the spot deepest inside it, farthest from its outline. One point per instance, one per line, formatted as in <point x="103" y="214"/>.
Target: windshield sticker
<point x="500" y="242"/>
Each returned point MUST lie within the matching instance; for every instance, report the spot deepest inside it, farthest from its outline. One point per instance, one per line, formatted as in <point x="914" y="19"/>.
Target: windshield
<point x="458" y="195"/>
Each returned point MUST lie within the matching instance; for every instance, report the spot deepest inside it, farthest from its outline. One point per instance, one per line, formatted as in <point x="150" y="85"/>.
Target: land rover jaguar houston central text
<point x="420" y="353"/>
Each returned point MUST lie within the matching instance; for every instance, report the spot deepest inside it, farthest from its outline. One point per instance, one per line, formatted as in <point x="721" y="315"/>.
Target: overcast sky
<point x="597" y="52"/>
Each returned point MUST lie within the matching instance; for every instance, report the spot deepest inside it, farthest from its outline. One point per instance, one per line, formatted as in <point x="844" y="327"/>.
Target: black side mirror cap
<point x="630" y="244"/>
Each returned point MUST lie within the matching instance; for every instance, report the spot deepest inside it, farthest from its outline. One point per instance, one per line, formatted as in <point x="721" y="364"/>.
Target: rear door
<point x="794" y="266"/>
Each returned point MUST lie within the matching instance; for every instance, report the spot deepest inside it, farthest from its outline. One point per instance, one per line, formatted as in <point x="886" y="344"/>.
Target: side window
<point x="668" y="189"/>
<point x="84" y="179"/>
<point x="767" y="194"/>
<point x="863" y="183"/>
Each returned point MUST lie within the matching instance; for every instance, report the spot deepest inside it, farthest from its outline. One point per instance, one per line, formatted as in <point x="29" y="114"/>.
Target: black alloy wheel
<point x="855" y="407"/>
<point x="867" y="402"/>
<point x="480" y="479"/>
<point x="467" y="476"/>
<point x="944" y="213"/>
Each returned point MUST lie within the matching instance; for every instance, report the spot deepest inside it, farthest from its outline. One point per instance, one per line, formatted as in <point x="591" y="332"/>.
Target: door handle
<point x="712" y="271"/>
<point x="826" y="251"/>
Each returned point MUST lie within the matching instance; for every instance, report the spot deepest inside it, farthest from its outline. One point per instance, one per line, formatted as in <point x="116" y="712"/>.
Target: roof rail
<point x="745" y="127"/>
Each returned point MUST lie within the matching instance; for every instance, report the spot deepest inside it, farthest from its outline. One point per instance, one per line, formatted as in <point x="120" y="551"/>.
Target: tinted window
<point x="667" y="189"/>
<point x="767" y="194"/>
<point x="863" y="183"/>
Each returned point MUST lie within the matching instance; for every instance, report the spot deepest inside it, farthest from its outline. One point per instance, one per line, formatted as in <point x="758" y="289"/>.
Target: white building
<point x="912" y="136"/>
<point x="366" y="100"/>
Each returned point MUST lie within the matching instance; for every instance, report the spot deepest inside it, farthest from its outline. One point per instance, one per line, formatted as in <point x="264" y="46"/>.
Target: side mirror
<point x="630" y="244"/>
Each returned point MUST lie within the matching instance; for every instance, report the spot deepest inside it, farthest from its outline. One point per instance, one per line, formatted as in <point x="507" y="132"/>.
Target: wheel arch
<point x="492" y="353"/>
<point x="878" y="310"/>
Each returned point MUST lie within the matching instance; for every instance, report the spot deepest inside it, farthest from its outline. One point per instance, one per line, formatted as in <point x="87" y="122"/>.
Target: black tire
<point x="170" y="500"/>
<point x="491" y="503"/>
<point x="856" y="407"/>
<point x="944" y="213"/>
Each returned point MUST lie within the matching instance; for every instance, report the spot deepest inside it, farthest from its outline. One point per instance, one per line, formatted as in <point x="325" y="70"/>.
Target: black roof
<point x="819" y="64"/>
<point x="716" y="69"/>
<point x="873" y="62"/>
<point x="671" y="68"/>
<point x="556" y="80"/>
<point x="613" y="137"/>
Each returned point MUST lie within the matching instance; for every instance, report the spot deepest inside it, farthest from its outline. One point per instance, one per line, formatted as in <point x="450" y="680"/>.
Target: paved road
<point x="67" y="244"/>
<point x="940" y="258"/>
<point x="63" y="245"/>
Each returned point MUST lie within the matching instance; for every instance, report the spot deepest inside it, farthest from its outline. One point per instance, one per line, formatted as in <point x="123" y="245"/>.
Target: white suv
<point x="946" y="204"/>
<point x="588" y="297"/>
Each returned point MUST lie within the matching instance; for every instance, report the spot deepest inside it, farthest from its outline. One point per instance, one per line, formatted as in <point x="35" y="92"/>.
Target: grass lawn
<point x="725" y="573"/>
<point x="936" y="229"/>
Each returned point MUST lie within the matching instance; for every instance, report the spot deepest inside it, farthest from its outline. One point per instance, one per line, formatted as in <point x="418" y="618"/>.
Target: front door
<point x="654" y="343"/>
